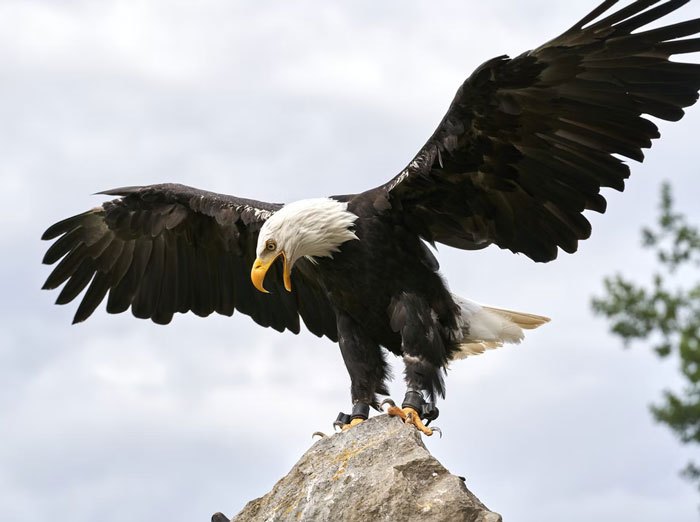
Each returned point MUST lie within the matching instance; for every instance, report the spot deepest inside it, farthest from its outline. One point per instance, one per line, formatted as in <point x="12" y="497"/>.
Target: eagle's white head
<point x="307" y="228"/>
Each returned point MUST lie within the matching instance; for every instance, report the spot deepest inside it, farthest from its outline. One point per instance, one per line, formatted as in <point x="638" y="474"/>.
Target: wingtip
<point x="120" y="191"/>
<point x="53" y="231"/>
<point x="48" y="258"/>
<point x="64" y="226"/>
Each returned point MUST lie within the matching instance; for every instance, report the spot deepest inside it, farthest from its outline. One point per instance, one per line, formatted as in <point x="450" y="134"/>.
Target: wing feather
<point x="96" y="292"/>
<point x="163" y="249"/>
<point x="528" y="143"/>
<point x="78" y="281"/>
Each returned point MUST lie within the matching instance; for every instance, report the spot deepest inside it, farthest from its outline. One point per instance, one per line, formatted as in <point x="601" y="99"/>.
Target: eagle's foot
<point x="409" y="412"/>
<point x="412" y="417"/>
<point x="393" y="409"/>
<point x="409" y="416"/>
<point x="353" y="422"/>
<point x="360" y="412"/>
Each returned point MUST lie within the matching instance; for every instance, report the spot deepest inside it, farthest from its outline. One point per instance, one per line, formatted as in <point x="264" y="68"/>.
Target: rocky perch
<point x="379" y="470"/>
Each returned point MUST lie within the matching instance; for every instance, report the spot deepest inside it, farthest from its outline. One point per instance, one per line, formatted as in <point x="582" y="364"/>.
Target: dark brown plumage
<point x="169" y="248"/>
<point x="523" y="151"/>
<point x="528" y="142"/>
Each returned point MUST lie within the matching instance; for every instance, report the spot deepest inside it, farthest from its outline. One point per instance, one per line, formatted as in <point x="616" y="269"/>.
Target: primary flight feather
<point x="522" y="152"/>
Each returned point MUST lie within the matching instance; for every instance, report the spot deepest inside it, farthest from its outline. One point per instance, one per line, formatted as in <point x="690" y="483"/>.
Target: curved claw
<point x="320" y="434"/>
<point x="435" y="428"/>
<point x="338" y="426"/>
<point x="412" y="417"/>
<point x="387" y="401"/>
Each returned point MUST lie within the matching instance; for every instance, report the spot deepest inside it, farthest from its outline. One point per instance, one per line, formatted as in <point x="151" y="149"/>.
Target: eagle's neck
<point x="313" y="228"/>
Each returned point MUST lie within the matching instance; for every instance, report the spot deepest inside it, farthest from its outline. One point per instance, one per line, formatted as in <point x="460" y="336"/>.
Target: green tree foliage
<point x="666" y="313"/>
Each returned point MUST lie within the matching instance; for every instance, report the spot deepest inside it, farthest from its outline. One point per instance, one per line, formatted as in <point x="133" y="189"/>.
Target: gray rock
<point x="379" y="470"/>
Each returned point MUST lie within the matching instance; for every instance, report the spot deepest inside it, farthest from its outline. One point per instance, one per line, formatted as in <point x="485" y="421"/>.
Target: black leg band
<point x="342" y="419"/>
<point x="413" y="399"/>
<point x="360" y="410"/>
<point x="427" y="410"/>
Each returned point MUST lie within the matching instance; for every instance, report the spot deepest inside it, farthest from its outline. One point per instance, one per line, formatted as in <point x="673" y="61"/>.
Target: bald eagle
<point x="521" y="153"/>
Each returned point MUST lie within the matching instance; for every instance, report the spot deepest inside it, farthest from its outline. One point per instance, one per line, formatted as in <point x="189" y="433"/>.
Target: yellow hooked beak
<point x="257" y="274"/>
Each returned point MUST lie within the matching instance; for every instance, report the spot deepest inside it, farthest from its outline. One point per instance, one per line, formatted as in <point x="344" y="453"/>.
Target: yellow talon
<point x="395" y="411"/>
<point x="409" y="416"/>
<point x="353" y="422"/>
<point x="412" y="417"/>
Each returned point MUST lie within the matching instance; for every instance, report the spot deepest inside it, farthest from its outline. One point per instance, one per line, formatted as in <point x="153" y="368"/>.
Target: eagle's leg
<point x="367" y="368"/>
<point x="425" y="357"/>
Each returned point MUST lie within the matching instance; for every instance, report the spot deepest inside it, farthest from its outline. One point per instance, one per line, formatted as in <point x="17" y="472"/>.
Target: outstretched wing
<point x="168" y="248"/>
<point x="528" y="142"/>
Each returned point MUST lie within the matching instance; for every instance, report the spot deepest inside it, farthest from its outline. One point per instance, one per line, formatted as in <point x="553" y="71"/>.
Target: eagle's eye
<point x="271" y="245"/>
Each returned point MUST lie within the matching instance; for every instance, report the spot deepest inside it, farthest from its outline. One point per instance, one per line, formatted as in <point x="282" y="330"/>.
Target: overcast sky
<point x="118" y="419"/>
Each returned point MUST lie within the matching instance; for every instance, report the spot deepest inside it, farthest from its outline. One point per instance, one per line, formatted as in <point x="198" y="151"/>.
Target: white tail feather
<point x="522" y="319"/>
<point x="485" y="328"/>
